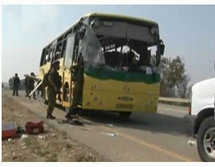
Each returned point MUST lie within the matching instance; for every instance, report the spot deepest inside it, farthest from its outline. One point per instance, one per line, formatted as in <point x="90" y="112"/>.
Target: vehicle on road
<point x="203" y="118"/>
<point x="120" y="57"/>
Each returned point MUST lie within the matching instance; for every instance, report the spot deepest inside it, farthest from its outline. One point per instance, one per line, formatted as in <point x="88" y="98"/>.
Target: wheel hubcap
<point x="209" y="142"/>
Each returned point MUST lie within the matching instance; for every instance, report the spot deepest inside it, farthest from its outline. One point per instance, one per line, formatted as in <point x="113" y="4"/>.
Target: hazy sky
<point x="188" y="31"/>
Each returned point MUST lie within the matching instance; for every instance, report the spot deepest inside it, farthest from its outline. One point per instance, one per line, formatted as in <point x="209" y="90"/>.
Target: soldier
<point x="53" y="88"/>
<point x="30" y="85"/>
<point x="78" y="86"/>
<point x="16" y="83"/>
<point x="26" y="86"/>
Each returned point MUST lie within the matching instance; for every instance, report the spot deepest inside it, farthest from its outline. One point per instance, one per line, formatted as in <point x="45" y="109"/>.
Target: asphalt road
<point x="145" y="137"/>
<point x="151" y="137"/>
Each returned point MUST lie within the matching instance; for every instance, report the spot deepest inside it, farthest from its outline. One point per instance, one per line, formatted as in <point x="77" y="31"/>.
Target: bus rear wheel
<point x="125" y="115"/>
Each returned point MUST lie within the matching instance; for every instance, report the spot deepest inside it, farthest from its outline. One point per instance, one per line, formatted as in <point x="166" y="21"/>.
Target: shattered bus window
<point x="91" y="49"/>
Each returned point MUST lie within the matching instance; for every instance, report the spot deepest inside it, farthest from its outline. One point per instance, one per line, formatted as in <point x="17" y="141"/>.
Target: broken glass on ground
<point x="110" y="134"/>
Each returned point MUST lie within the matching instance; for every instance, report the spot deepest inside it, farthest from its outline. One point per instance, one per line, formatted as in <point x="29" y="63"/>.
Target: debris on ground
<point x="73" y="121"/>
<point x="110" y="125"/>
<point x="24" y="136"/>
<point x="110" y="134"/>
<point x="41" y="137"/>
<point x="192" y="143"/>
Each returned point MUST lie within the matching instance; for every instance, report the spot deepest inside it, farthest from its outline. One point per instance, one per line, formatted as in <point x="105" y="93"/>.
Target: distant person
<point x="16" y="83"/>
<point x="54" y="83"/>
<point x="26" y="86"/>
<point x="31" y="85"/>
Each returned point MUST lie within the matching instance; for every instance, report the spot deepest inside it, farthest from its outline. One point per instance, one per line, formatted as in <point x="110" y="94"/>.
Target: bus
<point x="121" y="57"/>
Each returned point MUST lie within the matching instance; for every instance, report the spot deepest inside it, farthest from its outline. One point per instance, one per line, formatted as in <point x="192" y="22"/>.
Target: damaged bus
<point x="120" y="63"/>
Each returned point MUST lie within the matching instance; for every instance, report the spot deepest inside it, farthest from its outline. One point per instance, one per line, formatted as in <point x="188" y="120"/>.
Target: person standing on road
<point x="78" y="80"/>
<point x="53" y="88"/>
<point x="26" y="86"/>
<point x="16" y="83"/>
<point x="31" y="85"/>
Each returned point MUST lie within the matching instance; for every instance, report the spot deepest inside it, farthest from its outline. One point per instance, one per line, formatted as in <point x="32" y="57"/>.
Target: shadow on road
<point x="143" y="121"/>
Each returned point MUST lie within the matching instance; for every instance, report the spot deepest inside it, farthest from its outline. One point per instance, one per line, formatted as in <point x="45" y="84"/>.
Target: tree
<point x="164" y="85"/>
<point x="183" y="87"/>
<point x="176" y="72"/>
<point x="174" y="81"/>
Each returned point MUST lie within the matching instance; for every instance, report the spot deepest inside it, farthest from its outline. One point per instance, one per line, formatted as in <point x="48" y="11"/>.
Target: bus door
<point x="67" y="66"/>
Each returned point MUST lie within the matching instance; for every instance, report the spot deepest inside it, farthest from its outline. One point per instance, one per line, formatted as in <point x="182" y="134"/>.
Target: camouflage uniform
<point x="52" y="92"/>
<point x="78" y="87"/>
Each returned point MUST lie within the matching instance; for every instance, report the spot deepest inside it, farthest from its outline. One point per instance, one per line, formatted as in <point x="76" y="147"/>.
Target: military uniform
<point x="26" y="86"/>
<point x="78" y="87"/>
<point x="30" y="85"/>
<point x="16" y="83"/>
<point x="53" y="91"/>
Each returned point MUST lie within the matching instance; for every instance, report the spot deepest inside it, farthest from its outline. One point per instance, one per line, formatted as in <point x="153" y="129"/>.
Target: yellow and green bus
<point x="121" y="56"/>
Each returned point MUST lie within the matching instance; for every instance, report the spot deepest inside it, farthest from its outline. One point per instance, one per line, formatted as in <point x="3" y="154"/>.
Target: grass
<point x="35" y="146"/>
<point x="85" y="158"/>
<point x="32" y="142"/>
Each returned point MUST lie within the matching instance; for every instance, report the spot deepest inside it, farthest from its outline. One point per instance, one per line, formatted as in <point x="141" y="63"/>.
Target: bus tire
<point x="125" y="115"/>
<point x="206" y="140"/>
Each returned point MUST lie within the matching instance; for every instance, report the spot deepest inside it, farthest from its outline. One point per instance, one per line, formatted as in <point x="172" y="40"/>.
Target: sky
<point x="188" y="31"/>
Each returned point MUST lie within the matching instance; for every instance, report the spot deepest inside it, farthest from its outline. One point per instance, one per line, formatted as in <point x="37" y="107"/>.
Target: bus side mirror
<point x="160" y="52"/>
<point x="162" y="47"/>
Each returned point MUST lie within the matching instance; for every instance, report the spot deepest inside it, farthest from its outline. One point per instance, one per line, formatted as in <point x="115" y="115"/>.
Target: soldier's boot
<point x="49" y="116"/>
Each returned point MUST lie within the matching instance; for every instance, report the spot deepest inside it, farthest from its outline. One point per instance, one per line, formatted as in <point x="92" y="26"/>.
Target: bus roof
<point x="121" y="17"/>
<point x="105" y="15"/>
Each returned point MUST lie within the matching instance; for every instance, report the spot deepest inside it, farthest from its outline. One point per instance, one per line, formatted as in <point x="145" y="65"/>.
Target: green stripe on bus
<point x="105" y="74"/>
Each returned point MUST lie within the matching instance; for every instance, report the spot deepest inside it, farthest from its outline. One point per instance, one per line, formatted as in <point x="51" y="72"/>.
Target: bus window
<point x="42" y="57"/>
<point x="51" y="54"/>
<point x="91" y="49"/>
<point x="58" y="51"/>
<point x="46" y="56"/>
<point x="69" y="51"/>
<point x="64" y="48"/>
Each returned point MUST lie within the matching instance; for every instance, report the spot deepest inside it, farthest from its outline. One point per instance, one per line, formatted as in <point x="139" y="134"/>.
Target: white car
<point x="203" y="118"/>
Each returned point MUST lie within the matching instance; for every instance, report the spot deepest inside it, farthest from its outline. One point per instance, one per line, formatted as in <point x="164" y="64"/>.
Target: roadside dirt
<point x="50" y="146"/>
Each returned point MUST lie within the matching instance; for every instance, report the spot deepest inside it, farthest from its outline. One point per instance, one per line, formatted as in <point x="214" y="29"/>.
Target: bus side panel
<point x="114" y="95"/>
